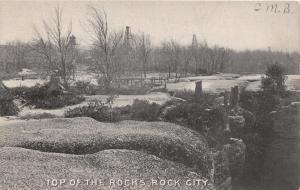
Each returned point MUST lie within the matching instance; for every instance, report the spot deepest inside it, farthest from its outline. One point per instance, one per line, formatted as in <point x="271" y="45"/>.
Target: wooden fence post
<point x="234" y="97"/>
<point x="198" y="89"/>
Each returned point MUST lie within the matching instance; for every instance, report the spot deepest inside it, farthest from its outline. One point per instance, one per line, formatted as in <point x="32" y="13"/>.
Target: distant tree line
<point x="114" y="53"/>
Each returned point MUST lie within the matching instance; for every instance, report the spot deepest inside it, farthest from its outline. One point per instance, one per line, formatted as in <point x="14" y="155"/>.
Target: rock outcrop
<point x="228" y="164"/>
<point x="87" y="136"/>
<point x="282" y="163"/>
<point x="237" y="125"/>
<point x="81" y="137"/>
<point x="235" y="152"/>
<point x="108" y="169"/>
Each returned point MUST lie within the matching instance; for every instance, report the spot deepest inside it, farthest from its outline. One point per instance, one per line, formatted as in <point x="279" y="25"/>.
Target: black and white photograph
<point x="149" y="95"/>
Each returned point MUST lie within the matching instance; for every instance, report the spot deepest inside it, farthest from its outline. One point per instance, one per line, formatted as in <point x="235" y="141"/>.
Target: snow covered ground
<point x="9" y="119"/>
<point x="213" y="83"/>
<point x="221" y="82"/>
<point x="210" y="86"/>
<point x="121" y="100"/>
<point x="13" y="83"/>
<point x="251" y="77"/>
<point x="292" y="83"/>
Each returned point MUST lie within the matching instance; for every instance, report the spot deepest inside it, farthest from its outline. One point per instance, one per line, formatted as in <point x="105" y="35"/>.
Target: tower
<point x="194" y="41"/>
<point x="127" y="33"/>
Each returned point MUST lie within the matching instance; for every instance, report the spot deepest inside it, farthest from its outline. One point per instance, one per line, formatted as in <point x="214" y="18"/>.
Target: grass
<point x="86" y="136"/>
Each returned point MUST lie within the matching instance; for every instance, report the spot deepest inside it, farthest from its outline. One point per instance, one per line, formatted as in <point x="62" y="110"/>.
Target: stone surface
<point x="237" y="124"/>
<point x="86" y="136"/>
<point x="220" y="173"/>
<point x="281" y="164"/>
<point x="236" y="152"/>
<point x="30" y="169"/>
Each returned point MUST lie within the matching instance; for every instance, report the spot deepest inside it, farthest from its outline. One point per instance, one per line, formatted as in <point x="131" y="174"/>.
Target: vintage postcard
<point x="149" y="95"/>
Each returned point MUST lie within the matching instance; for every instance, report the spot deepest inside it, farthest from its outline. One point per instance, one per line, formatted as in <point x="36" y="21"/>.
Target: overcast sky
<point x="231" y="24"/>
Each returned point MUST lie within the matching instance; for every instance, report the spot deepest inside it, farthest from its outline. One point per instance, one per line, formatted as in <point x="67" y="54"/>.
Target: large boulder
<point x="109" y="169"/>
<point x="228" y="164"/>
<point x="237" y="125"/>
<point x="87" y="136"/>
<point x="236" y="153"/>
<point x="281" y="165"/>
<point x="220" y="173"/>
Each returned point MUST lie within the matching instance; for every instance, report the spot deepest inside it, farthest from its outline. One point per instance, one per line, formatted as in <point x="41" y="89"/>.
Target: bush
<point x="7" y="105"/>
<point x="275" y="80"/>
<point x="8" y="108"/>
<point x="143" y="110"/>
<point x="84" y="87"/>
<point x="58" y="101"/>
<point x="191" y="113"/>
<point x="41" y="97"/>
<point x="195" y="116"/>
<point x="187" y="114"/>
<point x="96" y="110"/>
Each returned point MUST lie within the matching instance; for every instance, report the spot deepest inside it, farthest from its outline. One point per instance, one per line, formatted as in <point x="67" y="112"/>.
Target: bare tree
<point x="187" y="58"/>
<point x="45" y="48"/>
<point x="223" y="58"/>
<point x="16" y="53"/>
<point x="57" y="44"/>
<point x="218" y="57"/>
<point x="143" y="51"/>
<point x="173" y="51"/>
<point x="106" y="46"/>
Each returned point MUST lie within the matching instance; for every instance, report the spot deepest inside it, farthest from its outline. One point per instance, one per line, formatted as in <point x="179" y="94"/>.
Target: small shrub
<point x="191" y="113"/>
<point x="96" y="110"/>
<point x="41" y="97"/>
<point x="143" y="110"/>
<point x="84" y="87"/>
<point x="8" y="108"/>
<point x="7" y="105"/>
<point x="249" y="100"/>
<point x="275" y="80"/>
<point x="187" y="114"/>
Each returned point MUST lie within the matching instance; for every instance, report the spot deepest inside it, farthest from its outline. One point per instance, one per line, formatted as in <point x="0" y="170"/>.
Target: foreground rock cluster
<point x="281" y="164"/>
<point x="108" y="169"/>
<point x="34" y="151"/>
